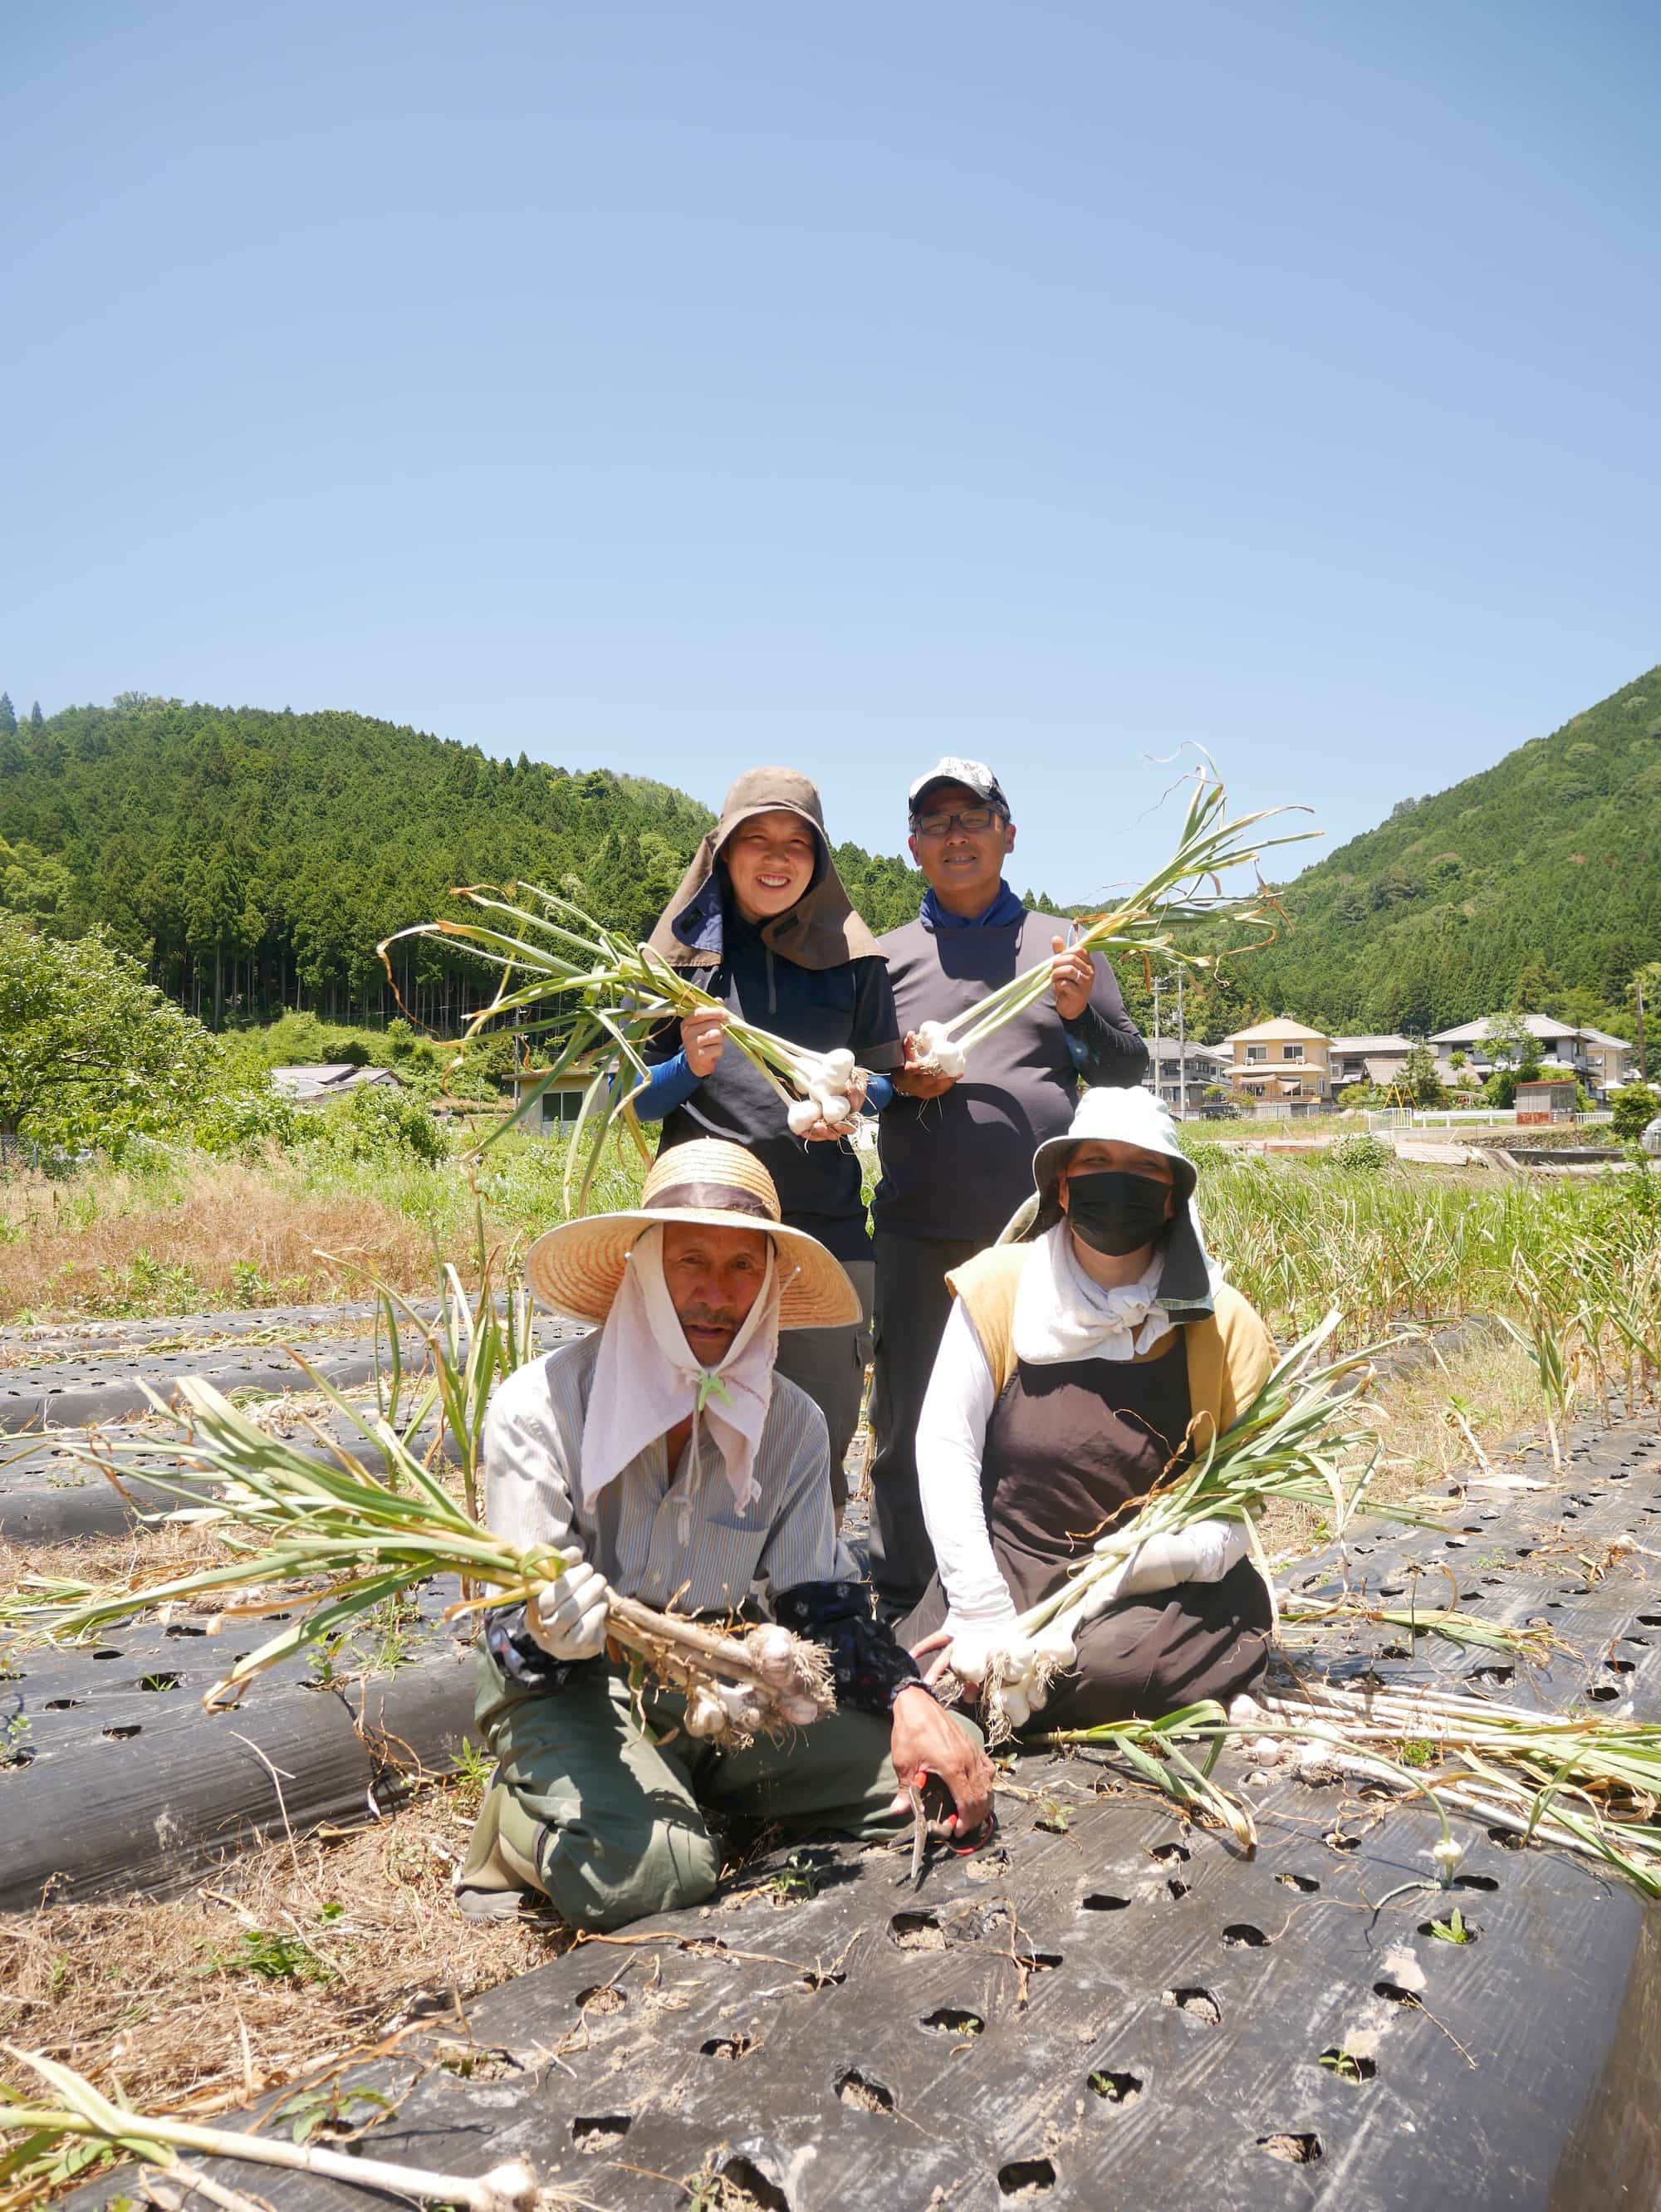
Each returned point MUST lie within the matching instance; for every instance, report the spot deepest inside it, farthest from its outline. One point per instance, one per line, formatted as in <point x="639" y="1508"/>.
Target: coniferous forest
<point x="254" y="859"/>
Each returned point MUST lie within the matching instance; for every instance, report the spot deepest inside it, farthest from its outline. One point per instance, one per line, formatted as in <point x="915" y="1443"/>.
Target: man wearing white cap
<point x="956" y="1154"/>
<point x="665" y="1449"/>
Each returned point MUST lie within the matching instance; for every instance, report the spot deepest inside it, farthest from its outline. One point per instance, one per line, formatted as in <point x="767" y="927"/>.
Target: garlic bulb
<point x="838" y="1068"/>
<point x="801" y="1710"/>
<point x="772" y="1654"/>
<point x="802" y="1115"/>
<point x="1017" y="1708"/>
<point x="836" y="1107"/>
<point x="706" y="1713"/>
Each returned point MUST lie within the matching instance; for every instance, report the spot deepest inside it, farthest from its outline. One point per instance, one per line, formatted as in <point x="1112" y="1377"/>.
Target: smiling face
<point x="964" y="867"/>
<point x="769" y="859"/>
<point x="715" y="1276"/>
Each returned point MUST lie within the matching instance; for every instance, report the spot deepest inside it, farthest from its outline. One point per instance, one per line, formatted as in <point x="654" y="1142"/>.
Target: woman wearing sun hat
<point x="1080" y="1358"/>
<point x="762" y="921"/>
<point x="666" y="1450"/>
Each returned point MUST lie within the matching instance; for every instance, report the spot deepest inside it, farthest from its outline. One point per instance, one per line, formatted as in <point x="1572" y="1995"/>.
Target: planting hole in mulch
<point x="59" y="1704"/>
<point x="1198" y="2004"/>
<point x="1177" y="1889"/>
<point x="1171" y="1854"/>
<point x="602" y="1999"/>
<point x="1304" y="1884"/>
<point x="598" y="2134"/>
<point x="1241" y="1936"/>
<point x="1026" y="2177"/>
<point x="917" y="1931"/>
<point x="1495" y="1677"/>
<point x="159" y="1682"/>
<point x="739" y="2185"/>
<point x="124" y="1735"/>
<point x="1483" y="1881"/>
<point x="1101" y="1901"/>
<point x="1115" y="2088"/>
<point x="732" y="2047"/>
<point x="1293" y="2150"/>
<point x="951" y="2019"/>
<point x="1349" y="2065"/>
<point x="865" y="2096"/>
<point x="1393" y="1993"/>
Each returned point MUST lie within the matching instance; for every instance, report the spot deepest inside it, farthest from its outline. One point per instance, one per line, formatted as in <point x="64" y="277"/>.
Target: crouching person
<point x="667" y="1450"/>
<point x="1076" y="1367"/>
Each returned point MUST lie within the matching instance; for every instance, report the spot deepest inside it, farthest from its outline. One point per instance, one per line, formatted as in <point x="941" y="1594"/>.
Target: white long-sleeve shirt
<point x="951" y="1442"/>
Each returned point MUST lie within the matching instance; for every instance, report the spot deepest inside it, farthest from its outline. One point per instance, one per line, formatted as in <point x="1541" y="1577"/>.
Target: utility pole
<point x="1159" y="986"/>
<point x="1181" y="1051"/>
<point x="1643" y="1052"/>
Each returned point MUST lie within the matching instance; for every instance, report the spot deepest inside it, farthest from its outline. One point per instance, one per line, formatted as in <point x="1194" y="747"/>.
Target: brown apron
<point x="1068" y="1447"/>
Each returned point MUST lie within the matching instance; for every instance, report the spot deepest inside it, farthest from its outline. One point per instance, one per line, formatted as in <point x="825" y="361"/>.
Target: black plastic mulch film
<point x="1106" y="2008"/>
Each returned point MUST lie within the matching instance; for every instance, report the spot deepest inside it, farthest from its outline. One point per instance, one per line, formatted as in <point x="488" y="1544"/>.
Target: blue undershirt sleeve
<point x="879" y="1090"/>
<point x="669" y="1084"/>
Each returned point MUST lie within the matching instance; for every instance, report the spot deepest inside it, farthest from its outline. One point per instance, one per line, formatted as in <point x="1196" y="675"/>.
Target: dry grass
<point x="224" y="1236"/>
<point x="151" y="1556"/>
<point x="294" y="1961"/>
<point x="1494" y="1385"/>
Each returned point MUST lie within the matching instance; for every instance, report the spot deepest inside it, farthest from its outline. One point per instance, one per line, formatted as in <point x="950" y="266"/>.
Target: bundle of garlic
<point x="601" y="998"/>
<point x="1169" y="907"/>
<point x="1305" y="1436"/>
<point x="825" y="1079"/>
<point x="339" y="1539"/>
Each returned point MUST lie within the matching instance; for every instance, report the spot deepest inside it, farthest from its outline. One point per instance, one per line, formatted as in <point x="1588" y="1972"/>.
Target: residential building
<point x="1168" y="1063"/>
<point x="1280" y="1063"/>
<point x="561" y="1103"/>
<point x="1601" y="1062"/>
<point x="1378" y="1060"/>
<point x="315" y="1086"/>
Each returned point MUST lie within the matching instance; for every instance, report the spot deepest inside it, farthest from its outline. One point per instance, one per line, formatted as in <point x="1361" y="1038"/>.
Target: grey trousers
<point x="829" y="1364"/>
<point x="912" y="1303"/>
<point x="609" y="1824"/>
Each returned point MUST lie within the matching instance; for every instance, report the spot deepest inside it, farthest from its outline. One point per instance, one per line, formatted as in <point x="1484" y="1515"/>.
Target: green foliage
<point x="1634" y="1108"/>
<point x="94" y="1054"/>
<point x="1537" y="884"/>
<point x="1418" y="1078"/>
<point x="375" y="1122"/>
<point x="255" y="859"/>
<point x="275" y="1956"/>
<point x="1361" y="1154"/>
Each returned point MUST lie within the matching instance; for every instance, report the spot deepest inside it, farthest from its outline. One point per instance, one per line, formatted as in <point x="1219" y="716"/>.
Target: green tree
<point x="8" y="715"/>
<point x="36" y="718"/>
<point x="1634" y="1107"/>
<point x="1509" y="1037"/>
<point x="1419" y="1078"/>
<point x="90" y="1053"/>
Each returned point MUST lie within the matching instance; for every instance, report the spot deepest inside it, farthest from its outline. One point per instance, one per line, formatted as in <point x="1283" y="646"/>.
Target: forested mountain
<point x="255" y="860"/>
<point x="1537" y="884"/>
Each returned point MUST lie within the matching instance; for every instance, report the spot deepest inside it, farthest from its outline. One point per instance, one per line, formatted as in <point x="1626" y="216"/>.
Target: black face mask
<point x="1115" y="1212"/>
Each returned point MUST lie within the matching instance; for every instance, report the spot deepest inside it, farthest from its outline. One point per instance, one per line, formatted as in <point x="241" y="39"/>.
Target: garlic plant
<point x="597" y="999"/>
<point x="1160" y="918"/>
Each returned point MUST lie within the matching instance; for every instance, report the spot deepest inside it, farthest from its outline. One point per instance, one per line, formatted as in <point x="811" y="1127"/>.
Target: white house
<point x="1601" y="1062"/>
<point x="1168" y="1063"/>
<point x="1367" y="1059"/>
<point x="332" y="1078"/>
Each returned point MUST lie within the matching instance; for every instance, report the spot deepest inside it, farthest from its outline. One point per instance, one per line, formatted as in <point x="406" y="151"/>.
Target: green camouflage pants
<point x="610" y="1826"/>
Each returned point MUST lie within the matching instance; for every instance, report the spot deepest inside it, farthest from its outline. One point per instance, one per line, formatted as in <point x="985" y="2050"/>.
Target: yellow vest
<point x="1230" y="1353"/>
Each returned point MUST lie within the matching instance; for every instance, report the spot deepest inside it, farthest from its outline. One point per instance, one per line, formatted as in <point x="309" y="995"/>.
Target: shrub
<point x="375" y="1122"/>
<point x="1361" y="1154"/>
<point x="1634" y="1106"/>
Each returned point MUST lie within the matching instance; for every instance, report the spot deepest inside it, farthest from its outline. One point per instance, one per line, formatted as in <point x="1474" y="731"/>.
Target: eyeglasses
<point x="971" y="820"/>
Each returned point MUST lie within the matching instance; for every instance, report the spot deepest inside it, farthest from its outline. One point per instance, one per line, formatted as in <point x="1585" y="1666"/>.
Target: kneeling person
<point x="668" y="1452"/>
<point x="1075" y="1368"/>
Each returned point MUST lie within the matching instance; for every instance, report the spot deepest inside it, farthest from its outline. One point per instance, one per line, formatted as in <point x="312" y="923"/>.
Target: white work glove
<point x="1203" y="1552"/>
<point x="975" y="1643"/>
<point x="566" y="1616"/>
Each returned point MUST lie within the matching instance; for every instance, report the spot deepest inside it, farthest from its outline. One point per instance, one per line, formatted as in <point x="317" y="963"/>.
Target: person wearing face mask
<point x="762" y="921"/>
<point x="1079" y="1361"/>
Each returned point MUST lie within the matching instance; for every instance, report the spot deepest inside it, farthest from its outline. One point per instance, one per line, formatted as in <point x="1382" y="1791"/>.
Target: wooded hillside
<point x="1537" y="884"/>
<point x="255" y="860"/>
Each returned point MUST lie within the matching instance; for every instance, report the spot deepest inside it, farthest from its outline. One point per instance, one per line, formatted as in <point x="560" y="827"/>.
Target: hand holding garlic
<point x="834" y="1090"/>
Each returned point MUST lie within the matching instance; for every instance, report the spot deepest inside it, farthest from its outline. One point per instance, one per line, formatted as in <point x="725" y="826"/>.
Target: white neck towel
<point x="1062" y="1313"/>
<point x="647" y="1379"/>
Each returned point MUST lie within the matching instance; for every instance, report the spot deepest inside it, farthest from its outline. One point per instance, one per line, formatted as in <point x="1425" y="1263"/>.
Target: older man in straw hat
<point x="666" y="1449"/>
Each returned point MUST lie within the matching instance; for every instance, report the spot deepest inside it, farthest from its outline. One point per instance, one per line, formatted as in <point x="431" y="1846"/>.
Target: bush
<point x="1634" y="1106"/>
<point x="375" y="1122"/>
<point x="242" y="1121"/>
<point x="1361" y="1154"/>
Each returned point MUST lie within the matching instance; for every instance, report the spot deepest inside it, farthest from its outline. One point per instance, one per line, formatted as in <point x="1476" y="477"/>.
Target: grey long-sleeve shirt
<point x="958" y="1166"/>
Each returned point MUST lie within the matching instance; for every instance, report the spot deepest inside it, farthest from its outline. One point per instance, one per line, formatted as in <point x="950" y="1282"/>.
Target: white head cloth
<point x="647" y="1378"/>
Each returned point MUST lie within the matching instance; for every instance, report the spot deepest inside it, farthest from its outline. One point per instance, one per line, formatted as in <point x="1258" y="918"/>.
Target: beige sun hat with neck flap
<point x="577" y="1268"/>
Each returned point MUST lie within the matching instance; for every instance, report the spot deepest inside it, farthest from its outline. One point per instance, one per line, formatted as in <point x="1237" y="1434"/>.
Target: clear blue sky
<point x="679" y="386"/>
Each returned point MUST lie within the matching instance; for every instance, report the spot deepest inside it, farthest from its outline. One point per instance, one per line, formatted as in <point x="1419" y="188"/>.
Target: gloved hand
<point x="1203" y="1552"/>
<point x="566" y="1616"/>
<point x="975" y="1643"/>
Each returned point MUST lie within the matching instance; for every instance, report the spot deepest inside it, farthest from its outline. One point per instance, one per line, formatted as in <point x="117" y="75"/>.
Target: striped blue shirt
<point x="666" y="1539"/>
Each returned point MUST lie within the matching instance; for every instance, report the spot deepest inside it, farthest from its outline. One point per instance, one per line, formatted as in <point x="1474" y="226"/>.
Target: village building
<point x="1282" y="1065"/>
<point x="1180" y="1075"/>
<point x="1601" y="1062"/>
<point x="1376" y="1060"/>
<point x="316" y="1084"/>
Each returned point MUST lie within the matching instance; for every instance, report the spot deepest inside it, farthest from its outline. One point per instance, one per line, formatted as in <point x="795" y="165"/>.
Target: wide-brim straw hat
<point x="577" y="1268"/>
